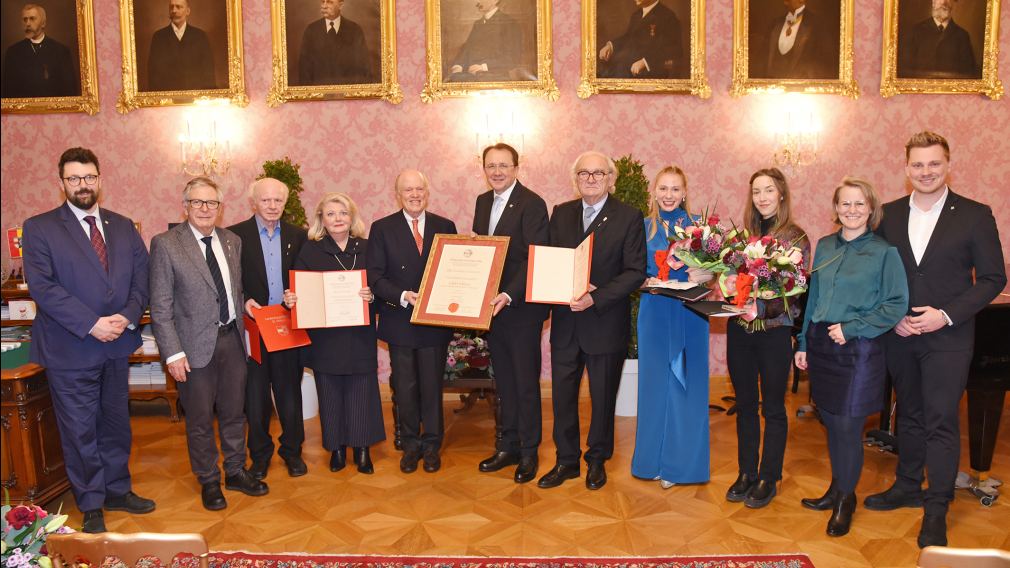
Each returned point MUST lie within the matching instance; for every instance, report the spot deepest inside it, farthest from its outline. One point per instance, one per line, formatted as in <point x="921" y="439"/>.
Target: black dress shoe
<point x="499" y="460"/>
<point x="213" y="499"/>
<point x="841" y="514"/>
<point x="933" y="531"/>
<point x="94" y="522"/>
<point x="408" y="463"/>
<point x="296" y="466"/>
<point x="892" y="499"/>
<point x="338" y="459"/>
<point x="246" y="483"/>
<point x="129" y="502"/>
<point x="822" y="503"/>
<point x="432" y="462"/>
<point x="258" y="469"/>
<point x="738" y="491"/>
<point x="596" y="476"/>
<point x="558" y="475"/>
<point x="527" y="470"/>
<point x="761" y="494"/>
<point x="363" y="459"/>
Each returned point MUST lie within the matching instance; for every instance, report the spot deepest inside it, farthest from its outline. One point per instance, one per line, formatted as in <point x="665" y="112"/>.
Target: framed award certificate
<point x="460" y="279"/>
<point x="558" y="275"/>
<point x="328" y="299"/>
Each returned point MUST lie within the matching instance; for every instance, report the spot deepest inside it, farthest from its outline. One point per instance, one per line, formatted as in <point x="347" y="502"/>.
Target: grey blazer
<point x="184" y="311"/>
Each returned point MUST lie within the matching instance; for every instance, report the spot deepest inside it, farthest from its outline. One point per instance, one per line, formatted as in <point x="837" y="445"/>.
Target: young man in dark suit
<point x="509" y="209"/>
<point x="951" y="250"/>
<point x="398" y="248"/>
<point x="87" y="268"/>
<point x="591" y="333"/>
<point x="269" y="248"/>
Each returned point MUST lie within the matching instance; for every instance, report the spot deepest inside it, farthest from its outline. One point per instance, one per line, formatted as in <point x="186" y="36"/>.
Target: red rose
<point x="790" y="283"/>
<point x="20" y="517"/>
<point x="696" y="244"/>
<point x="697" y="232"/>
<point x="758" y="263"/>
<point x="753" y="239"/>
<point x="713" y="220"/>
<point x="766" y="240"/>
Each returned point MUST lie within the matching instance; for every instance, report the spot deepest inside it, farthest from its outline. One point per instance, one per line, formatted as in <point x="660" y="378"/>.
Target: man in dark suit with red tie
<point x="951" y="250"/>
<point x="398" y="249"/>
<point x="87" y="268"/>
<point x="509" y="209"/>
<point x="591" y="333"/>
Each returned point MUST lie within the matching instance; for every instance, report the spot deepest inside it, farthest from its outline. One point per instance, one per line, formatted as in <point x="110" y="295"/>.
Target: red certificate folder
<point x="252" y="339"/>
<point x="273" y="325"/>
<point x="557" y="275"/>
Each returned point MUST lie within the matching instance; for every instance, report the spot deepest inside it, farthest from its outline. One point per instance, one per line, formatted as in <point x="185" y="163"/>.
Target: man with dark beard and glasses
<point x="87" y="268"/>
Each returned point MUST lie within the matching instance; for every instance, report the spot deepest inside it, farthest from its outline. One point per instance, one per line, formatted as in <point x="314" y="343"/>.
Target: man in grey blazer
<point x="196" y="313"/>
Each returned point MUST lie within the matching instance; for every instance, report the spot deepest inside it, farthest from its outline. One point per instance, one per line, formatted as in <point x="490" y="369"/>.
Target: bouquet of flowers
<point x="25" y="529"/>
<point x="764" y="268"/>
<point x="702" y="244"/>
<point x="467" y="350"/>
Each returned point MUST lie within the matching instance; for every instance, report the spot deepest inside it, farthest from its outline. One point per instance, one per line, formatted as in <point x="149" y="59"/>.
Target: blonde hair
<point x="926" y="139"/>
<point x="876" y="209"/>
<point x="653" y="215"/>
<point x="316" y="228"/>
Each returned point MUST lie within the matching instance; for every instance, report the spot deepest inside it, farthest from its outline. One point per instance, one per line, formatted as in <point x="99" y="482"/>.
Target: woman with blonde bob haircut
<point x="858" y="291"/>
<point x="344" y="360"/>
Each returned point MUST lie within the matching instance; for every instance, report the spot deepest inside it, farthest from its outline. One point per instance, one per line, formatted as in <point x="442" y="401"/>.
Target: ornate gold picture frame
<point x="768" y="56"/>
<point x="919" y="57"/>
<point x="68" y="80"/>
<point x="160" y="68"/>
<point x="660" y="51"/>
<point x="363" y="62"/>
<point x="507" y="48"/>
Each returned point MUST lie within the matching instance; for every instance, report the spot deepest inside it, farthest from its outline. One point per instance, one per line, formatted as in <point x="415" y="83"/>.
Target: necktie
<point x="792" y="21"/>
<point x="587" y="217"/>
<point x="939" y="28"/>
<point x="332" y="31"/>
<point x="418" y="239"/>
<point x="496" y="210"/>
<point x="215" y="274"/>
<point x="97" y="242"/>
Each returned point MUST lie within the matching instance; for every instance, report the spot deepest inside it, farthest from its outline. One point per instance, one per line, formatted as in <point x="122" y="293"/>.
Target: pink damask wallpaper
<point x="359" y="146"/>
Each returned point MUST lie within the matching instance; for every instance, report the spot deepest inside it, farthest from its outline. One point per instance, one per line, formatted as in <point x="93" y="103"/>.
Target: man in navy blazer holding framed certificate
<point x="591" y="333"/>
<point x="87" y="268"/>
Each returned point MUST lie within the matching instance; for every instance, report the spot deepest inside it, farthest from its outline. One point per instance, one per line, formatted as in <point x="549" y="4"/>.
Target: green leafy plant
<point x="632" y="188"/>
<point x="287" y="172"/>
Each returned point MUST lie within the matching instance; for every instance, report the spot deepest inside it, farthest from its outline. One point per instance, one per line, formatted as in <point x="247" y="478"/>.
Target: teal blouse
<point x="859" y="283"/>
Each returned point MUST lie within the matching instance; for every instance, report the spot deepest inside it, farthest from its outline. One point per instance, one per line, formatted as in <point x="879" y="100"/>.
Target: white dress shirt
<point x="334" y="23"/>
<point x="81" y="214"/>
<point x="786" y="42"/>
<point x="920" y="229"/>
<point x="180" y="31"/>
<point x="420" y="229"/>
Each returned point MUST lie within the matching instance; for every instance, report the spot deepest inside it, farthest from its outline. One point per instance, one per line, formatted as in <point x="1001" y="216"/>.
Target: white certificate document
<point x="558" y="275"/>
<point x="328" y="299"/>
<point x="460" y="281"/>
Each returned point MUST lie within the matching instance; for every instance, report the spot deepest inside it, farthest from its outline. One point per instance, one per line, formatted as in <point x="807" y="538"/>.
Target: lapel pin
<point x="511" y="205"/>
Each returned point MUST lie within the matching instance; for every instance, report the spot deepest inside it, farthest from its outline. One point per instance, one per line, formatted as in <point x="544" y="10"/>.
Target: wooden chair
<point x="943" y="557"/>
<point x="65" y="549"/>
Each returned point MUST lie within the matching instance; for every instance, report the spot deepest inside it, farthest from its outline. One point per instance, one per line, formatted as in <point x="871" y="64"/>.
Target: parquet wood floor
<point x="459" y="511"/>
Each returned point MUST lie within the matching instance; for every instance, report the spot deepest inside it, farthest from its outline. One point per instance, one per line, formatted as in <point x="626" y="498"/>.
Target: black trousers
<point x="515" y="356"/>
<point x="218" y="388"/>
<point x="567" y="365"/>
<point x="845" y="447"/>
<point x="929" y="386"/>
<point x="416" y="378"/>
<point x="280" y="372"/>
<point x="759" y="362"/>
<point x="350" y="410"/>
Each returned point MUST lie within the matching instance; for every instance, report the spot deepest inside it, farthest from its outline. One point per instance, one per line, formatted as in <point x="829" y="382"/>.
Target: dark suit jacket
<point x="340" y="60"/>
<point x="658" y="38"/>
<point x="174" y="65"/>
<point x="72" y="289"/>
<point x="812" y="57"/>
<point x="618" y="270"/>
<point x="254" y="268"/>
<point x="965" y="238"/>
<point x="524" y="221"/>
<point x="49" y="73"/>
<point x="394" y="267"/>
<point x="497" y="42"/>
<point x="925" y="52"/>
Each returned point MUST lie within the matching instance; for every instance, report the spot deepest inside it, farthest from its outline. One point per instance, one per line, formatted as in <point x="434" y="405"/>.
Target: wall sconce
<point x="499" y="127"/>
<point x="205" y="145"/>
<point x="796" y="138"/>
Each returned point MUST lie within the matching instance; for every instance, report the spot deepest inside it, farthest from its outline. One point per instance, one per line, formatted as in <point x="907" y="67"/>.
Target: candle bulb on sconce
<point x="205" y="149"/>
<point x="796" y="139"/>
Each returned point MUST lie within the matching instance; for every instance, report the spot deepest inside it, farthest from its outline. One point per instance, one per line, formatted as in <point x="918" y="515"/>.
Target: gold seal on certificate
<point x="328" y="299"/>
<point x="460" y="279"/>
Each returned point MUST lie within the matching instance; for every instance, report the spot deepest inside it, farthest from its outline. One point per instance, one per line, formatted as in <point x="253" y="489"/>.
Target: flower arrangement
<point x="467" y="350"/>
<point x="702" y="244"/>
<point x="25" y="529"/>
<point x="764" y="268"/>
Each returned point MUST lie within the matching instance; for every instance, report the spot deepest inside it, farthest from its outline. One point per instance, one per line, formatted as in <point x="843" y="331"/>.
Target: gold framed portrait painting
<point x="941" y="46"/>
<point x="793" y="45"/>
<point x="178" y="51"/>
<point x="334" y="49"/>
<point x="49" y="62"/>
<point x="643" y="46"/>
<point x="490" y="45"/>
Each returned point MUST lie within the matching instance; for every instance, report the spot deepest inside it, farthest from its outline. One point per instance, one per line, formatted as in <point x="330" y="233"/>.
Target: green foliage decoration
<point x="287" y="171"/>
<point x="632" y="188"/>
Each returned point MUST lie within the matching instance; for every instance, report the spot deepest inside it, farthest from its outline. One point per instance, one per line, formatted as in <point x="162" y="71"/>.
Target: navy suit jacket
<point x="394" y="266"/>
<point x="72" y="289"/>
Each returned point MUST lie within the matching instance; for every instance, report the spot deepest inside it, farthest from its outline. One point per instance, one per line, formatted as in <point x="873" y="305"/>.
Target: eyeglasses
<point x="846" y="205"/>
<point x="596" y="175"/>
<point x="74" y="181"/>
<point x="198" y="203"/>
<point x="499" y="167"/>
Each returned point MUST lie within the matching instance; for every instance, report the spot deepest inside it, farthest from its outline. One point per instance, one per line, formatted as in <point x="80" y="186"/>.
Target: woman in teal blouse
<point x="858" y="291"/>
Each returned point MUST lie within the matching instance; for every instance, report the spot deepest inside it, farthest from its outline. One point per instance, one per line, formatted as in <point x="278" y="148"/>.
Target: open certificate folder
<point x="328" y="299"/>
<point x="558" y="275"/>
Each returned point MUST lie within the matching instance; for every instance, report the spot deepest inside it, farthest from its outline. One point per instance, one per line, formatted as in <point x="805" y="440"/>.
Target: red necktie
<point x="417" y="237"/>
<point x="97" y="242"/>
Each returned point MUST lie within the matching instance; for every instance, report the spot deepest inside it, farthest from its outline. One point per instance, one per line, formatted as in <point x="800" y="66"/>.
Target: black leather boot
<point x="363" y="459"/>
<point x="338" y="459"/>
<point x="841" y="514"/>
<point x="822" y="503"/>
